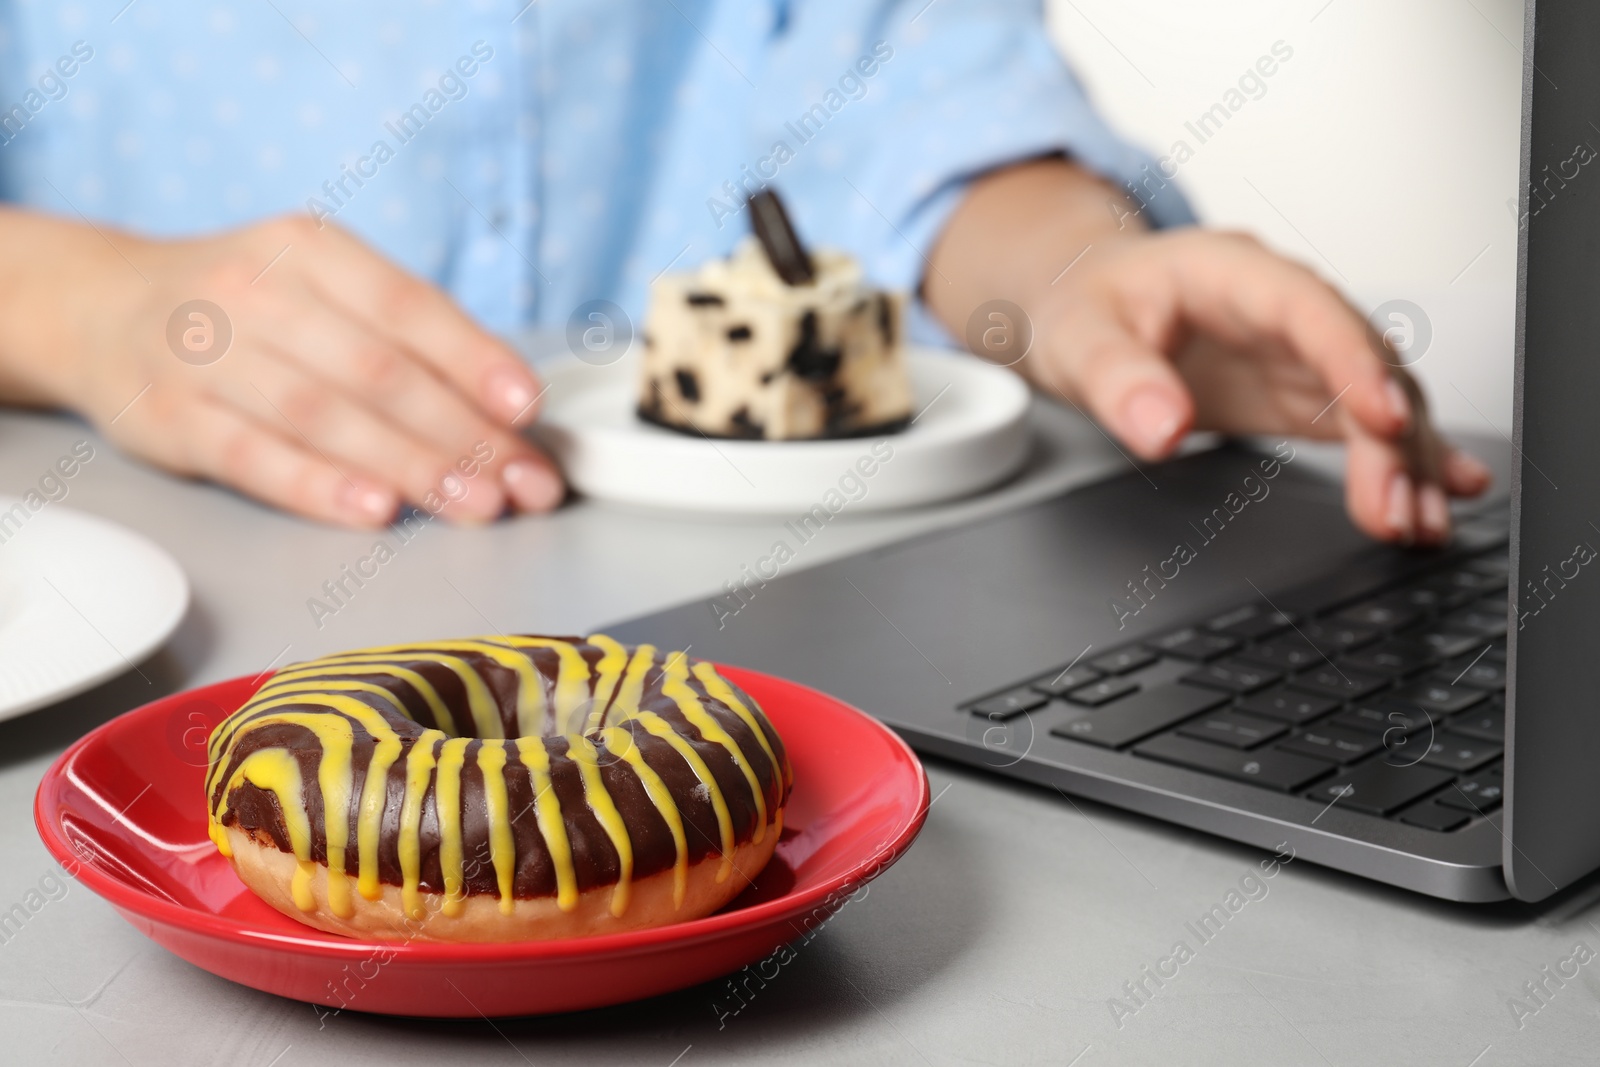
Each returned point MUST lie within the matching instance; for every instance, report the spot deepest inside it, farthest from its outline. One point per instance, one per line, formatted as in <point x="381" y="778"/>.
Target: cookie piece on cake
<point x="775" y="343"/>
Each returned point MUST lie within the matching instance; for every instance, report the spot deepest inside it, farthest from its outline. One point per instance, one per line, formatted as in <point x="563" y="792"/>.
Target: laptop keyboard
<point x="1393" y="705"/>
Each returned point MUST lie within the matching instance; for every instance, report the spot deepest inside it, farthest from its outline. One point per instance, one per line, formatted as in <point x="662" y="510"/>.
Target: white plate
<point x="972" y="432"/>
<point x="81" y="600"/>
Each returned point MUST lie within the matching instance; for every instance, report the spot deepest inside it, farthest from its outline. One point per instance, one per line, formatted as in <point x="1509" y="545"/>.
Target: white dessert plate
<point x="970" y="432"/>
<point x="81" y="601"/>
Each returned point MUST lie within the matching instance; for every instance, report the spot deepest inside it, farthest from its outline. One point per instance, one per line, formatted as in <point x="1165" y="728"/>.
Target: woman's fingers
<point x="325" y="341"/>
<point x="419" y="317"/>
<point x="226" y="446"/>
<point x="1436" y="469"/>
<point x="1464" y="474"/>
<point x="1128" y="386"/>
<point x="353" y="439"/>
<point x="1378" y="491"/>
<point x="1235" y="289"/>
<point x="1387" y="498"/>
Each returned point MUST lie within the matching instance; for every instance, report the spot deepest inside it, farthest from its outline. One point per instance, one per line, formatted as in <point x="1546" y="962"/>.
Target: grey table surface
<point x="1001" y="938"/>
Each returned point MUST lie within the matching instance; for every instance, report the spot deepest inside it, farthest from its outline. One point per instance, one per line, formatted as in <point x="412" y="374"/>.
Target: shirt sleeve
<point x="923" y="99"/>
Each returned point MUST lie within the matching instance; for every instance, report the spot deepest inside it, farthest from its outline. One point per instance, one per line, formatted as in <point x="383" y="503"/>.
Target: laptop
<point x="1210" y="642"/>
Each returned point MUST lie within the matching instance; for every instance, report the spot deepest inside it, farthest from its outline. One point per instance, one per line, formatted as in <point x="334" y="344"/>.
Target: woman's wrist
<point x="1019" y="236"/>
<point x="59" y="281"/>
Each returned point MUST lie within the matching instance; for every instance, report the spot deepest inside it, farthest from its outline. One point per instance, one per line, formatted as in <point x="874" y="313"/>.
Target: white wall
<point x="1383" y="153"/>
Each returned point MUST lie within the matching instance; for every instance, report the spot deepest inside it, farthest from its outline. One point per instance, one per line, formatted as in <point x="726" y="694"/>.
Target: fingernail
<point x="1470" y="467"/>
<point x="1152" y="419"/>
<point x="1434" y="512"/>
<point x="1399" y="517"/>
<point x="368" y="502"/>
<point x="1399" y="403"/>
<point x="532" y="485"/>
<point x="513" y="391"/>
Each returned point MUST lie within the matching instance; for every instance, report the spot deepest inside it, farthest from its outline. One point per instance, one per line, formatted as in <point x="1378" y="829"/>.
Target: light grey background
<point x="999" y="939"/>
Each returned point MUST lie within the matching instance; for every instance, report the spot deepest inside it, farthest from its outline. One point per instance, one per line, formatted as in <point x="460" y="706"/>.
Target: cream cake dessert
<point x="775" y="343"/>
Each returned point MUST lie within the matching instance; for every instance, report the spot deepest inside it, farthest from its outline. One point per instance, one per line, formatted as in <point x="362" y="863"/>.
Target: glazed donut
<point x="497" y="789"/>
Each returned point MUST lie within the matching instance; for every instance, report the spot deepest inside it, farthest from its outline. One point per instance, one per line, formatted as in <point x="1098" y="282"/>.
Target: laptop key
<point x="1332" y="743"/>
<point x="1485" y="723"/>
<point x="1287" y="652"/>
<point x="1468" y="580"/>
<point x="1058" y="684"/>
<point x="1378" y="788"/>
<point x="1102" y="692"/>
<point x="1480" y="792"/>
<point x="1287" y="705"/>
<point x="1333" y="636"/>
<point x="1432" y="816"/>
<point x="1251" y="623"/>
<point x="1476" y="670"/>
<point x="1233" y="676"/>
<point x="1495" y="603"/>
<point x="1192" y="644"/>
<point x="1478" y="620"/>
<point x="1441" y="699"/>
<point x="1007" y="705"/>
<point x="1447" y="642"/>
<point x="1141" y="715"/>
<point x="1384" y="718"/>
<point x="1232" y="729"/>
<point x="1381" y="615"/>
<point x="1450" y="598"/>
<point x="1274" y="770"/>
<point x="1124" y="660"/>
<point x="1458" y="752"/>
<point x="1338" y="683"/>
<point x="1392" y="658"/>
<point x="1418" y="596"/>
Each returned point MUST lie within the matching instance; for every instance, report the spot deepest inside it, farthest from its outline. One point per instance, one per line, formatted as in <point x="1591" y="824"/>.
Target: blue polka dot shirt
<point x="532" y="156"/>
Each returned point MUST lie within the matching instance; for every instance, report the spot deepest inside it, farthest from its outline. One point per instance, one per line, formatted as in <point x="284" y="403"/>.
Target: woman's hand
<point x="1195" y="329"/>
<point x="348" y="387"/>
<point x="1159" y="334"/>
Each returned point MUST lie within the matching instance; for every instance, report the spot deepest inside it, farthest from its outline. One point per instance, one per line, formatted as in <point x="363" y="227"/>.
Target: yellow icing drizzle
<point x="531" y="698"/>
<point x="631" y="690"/>
<point x="502" y="846"/>
<point x="675" y="684"/>
<point x="718" y="688"/>
<point x="386" y="749"/>
<point x="613" y="660"/>
<point x="335" y="778"/>
<point x="582" y="752"/>
<point x="314" y="689"/>
<point x="419" y="769"/>
<point x="480" y="702"/>
<point x="572" y="684"/>
<point x="621" y="743"/>
<point x="552" y="824"/>
<point x="275" y="770"/>
<point x="429" y="695"/>
<point x="219" y="837"/>
<point x="447" y="795"/>
<point x="663" y="729"/>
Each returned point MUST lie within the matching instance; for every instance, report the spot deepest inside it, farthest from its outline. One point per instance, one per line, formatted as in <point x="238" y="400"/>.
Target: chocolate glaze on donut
<point x="511" y="766"/>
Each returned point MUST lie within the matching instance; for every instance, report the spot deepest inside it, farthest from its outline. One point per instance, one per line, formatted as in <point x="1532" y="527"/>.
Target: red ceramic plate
<point x="123" y="809"/>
